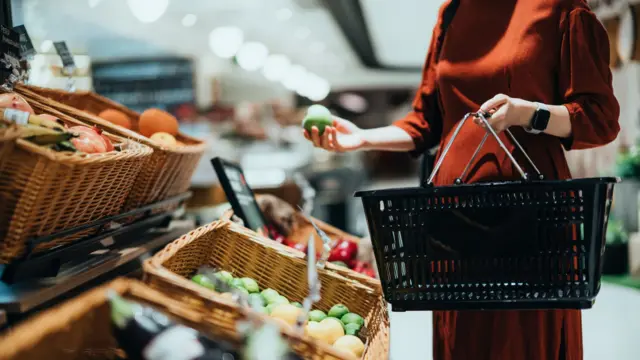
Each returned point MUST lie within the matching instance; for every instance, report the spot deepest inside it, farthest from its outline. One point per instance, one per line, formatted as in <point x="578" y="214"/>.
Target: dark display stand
<point x="37" y="279"/>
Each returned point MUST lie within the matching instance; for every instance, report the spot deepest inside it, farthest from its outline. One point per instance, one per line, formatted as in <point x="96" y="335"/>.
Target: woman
<point x="541" y="68"/>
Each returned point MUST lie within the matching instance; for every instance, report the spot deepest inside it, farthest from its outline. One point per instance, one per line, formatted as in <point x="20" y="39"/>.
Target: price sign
<point x="26" y="46"/>
<point x="10" y="52"/>
<point x="67" y="59"/>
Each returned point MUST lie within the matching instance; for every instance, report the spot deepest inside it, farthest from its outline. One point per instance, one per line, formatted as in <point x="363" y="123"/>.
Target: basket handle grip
<point x="483" y="117"/>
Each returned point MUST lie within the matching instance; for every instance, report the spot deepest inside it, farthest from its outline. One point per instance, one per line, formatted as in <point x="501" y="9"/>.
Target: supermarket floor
<point x="611" y="329"/>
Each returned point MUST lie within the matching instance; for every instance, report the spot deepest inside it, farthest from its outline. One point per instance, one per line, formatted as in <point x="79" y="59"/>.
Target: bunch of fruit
<point x="156" y="124"/>
<point x="343" y="252"/>
<point x="338" y="327"/>
<point x="49" y="131"/>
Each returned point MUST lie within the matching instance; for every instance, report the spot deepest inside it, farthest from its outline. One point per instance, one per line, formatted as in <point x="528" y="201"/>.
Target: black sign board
<point x="10" y="52"/>
<point x="67" y="59"/>
<point x="26" y="46"/>
<point x="239" y="194"/>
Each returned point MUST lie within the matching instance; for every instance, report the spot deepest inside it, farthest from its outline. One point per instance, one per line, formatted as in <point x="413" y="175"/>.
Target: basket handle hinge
<point x="483" y="117"/>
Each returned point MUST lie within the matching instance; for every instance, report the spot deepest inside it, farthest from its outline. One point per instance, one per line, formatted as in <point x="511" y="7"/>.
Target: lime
<point x="296" y="304"/>
<point x="269" y="295"/>
<point x="352" y="318"/>
<point x="318" y="116"/>
<point x="237" y="283"/>
<point x="317" y="315"/>
<point x="224" y="276"/>
<point x="279" y="300"/>
<point x="256" y="300"/>
<point x="203" y="280"/>
<point x="338" y="311"/>
<point x="243" y="291"/>
<point x="250" y="284"/>
<point x="352" y="329"/>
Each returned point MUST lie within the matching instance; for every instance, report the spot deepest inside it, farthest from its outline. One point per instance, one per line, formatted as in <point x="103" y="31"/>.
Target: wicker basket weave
<point x="43" y="192"/>
<point x="233" y="248"/>
<point x="168" y="171"/>
<point x="80" y="329"/>
<point x="301" y="235"/>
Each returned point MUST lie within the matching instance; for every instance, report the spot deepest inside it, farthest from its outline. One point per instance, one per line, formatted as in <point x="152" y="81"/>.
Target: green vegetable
<point x="352" y="329"/>
<point x="203" y="280"/>
<point x="224" y="276"/>
<point x="256" y="300"/>
<point x="250" y="284"/>
<point x="279" y="300"/>
<point x="352" y="318"/>
<point x="269" y="295"/>
<point x="270" y="308"/>
<point x="317" y="315"/>
<point x="237" y="283"/>
<point x="318" y="116"/>
<point x="338" y="311"/>
<point x="297" y="304"/>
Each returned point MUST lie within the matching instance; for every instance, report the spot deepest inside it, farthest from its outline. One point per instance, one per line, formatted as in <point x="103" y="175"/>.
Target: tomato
<point x="88" y="140"/>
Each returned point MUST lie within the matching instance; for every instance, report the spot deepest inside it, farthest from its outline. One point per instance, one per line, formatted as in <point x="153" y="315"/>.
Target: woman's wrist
<point x="388" y="138"/>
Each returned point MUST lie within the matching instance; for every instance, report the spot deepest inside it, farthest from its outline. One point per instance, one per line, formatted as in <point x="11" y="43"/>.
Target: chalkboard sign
<point x="67" y="59"/>
<point x="10" y="52"/>
<point x="26" y="46"/>
<point x="239" y="194"/>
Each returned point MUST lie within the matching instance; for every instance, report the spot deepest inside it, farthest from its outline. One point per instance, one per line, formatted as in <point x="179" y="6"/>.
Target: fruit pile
<point x="338" y="327"/>
<point x="343" y="252"/>
<point x="48" y="131"/>
<point x="156" y="124"/>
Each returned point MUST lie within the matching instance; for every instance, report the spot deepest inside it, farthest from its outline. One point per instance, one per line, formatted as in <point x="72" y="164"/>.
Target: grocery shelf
<point x="19" y="299"/>
<point x="47" y="264"/>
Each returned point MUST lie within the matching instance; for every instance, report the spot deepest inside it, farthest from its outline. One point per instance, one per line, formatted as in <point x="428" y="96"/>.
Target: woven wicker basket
<point x="301" y="235"/>
<point x="80" y="329"/>
<point x="233" y="248"/>
<point x="43" y="192"/>
<point x="167" y="173"/>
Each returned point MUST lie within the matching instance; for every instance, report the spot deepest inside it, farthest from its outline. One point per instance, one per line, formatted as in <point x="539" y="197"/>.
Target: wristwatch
<point x="540" y="120"/>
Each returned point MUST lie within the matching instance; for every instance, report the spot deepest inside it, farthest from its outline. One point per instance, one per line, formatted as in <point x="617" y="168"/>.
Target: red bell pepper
<point x="344" y="251"/>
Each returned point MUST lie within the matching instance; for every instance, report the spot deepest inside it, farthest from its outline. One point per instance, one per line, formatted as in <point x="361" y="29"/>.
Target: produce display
<point x="147" y="334"/>
<point x="628" y="163"/>
<point x="318" y="116"/>
<point x="156" y="124"/>
<point x="48" y="131"/>
<point x="337" y="327"/>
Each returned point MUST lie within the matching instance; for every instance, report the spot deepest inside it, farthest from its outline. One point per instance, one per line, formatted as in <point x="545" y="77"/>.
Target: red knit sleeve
<point x="585" y="81"/>
<point x="424" y="121"/>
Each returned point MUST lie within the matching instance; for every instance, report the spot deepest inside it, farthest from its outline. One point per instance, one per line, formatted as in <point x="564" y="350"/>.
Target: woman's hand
<point x="342" y="136"/>
<point x="507" y="111"/>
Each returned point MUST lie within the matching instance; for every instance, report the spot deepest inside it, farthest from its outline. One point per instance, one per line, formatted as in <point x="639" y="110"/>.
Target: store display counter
<point x="18" y="299"/>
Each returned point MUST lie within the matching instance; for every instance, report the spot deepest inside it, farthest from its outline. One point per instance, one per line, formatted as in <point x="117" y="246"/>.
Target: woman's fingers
<point x="315" y="137"/>
<point x="494" y="103"/>
<point x="306" y="134"/>
<point x="325" y="138"/>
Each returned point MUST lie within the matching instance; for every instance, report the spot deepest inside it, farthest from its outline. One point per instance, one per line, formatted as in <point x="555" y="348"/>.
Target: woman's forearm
<point x="559" y="121"/>
<point x="388" y="138"/>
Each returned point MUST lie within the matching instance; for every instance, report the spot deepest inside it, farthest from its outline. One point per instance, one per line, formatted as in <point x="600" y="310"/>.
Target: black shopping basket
<point x="529" y="244"/>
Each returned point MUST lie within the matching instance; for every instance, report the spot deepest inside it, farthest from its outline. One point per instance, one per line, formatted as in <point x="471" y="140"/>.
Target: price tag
<point x="67" y="59"/>
<point x="10" y="52"/>
<point x="26" y="46"/>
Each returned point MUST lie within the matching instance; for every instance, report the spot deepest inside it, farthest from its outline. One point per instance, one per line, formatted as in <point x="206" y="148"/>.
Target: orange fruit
<point x="116" y="117"/>
<point x="164" y="139"/>
<point x="155" y="120"/>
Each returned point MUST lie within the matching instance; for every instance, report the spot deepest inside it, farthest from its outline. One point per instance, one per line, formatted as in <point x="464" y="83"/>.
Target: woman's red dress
<point x="550" y="51"/>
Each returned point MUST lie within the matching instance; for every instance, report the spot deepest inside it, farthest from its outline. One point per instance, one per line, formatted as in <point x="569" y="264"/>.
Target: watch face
<point x="627" y="34"/>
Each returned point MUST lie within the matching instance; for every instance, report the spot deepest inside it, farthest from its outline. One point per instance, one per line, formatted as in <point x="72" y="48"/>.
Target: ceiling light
<point x="302" y="33"/>
<point x="284" y="14"/>
<point x="148" y="11"/>
<point x="226" y="41"/>
<point x="189" y="20"/>
<point x="276" y="67"/>
<point x="296" y="76"/>
<point x="94" y="3"/>
<point x="317" y="47"/>
<point x="252" y="56"/>
<point x="45" y="46"/>
<point x="318" y="88"/>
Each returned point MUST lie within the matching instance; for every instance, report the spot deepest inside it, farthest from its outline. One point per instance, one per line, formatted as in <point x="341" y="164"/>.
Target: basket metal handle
<point x="483" y="117"/>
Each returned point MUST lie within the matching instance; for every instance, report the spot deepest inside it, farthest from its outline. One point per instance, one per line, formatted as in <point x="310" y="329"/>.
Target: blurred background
<point x="241" y="73"/>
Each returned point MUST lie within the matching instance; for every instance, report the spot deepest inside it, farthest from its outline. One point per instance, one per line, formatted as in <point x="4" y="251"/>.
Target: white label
<point x="175" y="343"/>
<point x="16" y="116"/>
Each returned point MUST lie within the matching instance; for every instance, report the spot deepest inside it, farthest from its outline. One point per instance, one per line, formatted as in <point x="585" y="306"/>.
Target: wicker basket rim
<point x="187" y="148"/>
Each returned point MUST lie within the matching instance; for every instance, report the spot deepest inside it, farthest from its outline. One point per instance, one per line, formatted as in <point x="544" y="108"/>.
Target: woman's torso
<point x="491" y="47"/>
